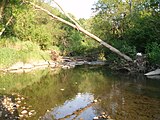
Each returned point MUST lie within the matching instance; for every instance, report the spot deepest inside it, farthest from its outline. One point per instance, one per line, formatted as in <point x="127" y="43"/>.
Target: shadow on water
<point x="86" y="92"/>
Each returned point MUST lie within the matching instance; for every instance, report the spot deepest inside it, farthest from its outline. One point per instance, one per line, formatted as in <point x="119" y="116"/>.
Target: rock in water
<point x="156" y="72"/>
<point x="16" y="66"/>
<point x="24" y="112"/>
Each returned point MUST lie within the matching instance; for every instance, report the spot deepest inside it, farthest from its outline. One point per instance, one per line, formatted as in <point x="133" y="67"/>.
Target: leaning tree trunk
<point x="78" y="27"/>
<point x="3" y="4"/>
<point x="4" y="28"/>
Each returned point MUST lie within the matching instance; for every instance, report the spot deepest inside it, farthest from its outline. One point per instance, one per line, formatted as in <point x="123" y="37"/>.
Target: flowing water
<point x="81" y="93"/>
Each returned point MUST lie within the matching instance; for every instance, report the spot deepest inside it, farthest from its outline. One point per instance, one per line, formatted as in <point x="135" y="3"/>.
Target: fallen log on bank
<point x="78" y="27"/>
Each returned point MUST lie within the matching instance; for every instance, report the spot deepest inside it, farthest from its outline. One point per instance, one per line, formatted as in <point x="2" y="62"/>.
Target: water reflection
<point x="79" y="107"/>
<point x="69" y="94"/>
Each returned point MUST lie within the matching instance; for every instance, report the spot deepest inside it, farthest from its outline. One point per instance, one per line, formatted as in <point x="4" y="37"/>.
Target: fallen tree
<point x="78" y="27"/>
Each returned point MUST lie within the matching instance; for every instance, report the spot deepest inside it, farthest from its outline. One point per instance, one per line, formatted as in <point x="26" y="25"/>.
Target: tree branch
<point x="2" y="6"/>
<point x="10" y="19"/>
<point x="66" y="14"/>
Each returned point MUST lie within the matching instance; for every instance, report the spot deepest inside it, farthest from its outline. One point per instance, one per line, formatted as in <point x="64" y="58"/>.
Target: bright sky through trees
<point x="79" y="8"/>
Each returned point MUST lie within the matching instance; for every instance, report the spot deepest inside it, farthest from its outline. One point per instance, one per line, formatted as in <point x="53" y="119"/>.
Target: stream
<point x="82" y="93"/>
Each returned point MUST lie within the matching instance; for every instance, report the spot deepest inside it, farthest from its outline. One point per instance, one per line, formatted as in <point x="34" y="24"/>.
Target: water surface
<point x="82" y="93"/>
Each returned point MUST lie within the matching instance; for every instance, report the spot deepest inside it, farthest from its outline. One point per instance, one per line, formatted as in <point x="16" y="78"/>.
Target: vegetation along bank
<point x="26" y="33"/>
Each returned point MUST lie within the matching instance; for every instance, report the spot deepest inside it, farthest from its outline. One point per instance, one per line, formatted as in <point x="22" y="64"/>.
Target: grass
<point x="12" y="52"/>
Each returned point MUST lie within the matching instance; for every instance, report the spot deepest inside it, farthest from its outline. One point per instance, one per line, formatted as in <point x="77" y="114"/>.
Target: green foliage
<point x="118" y="22"/>
<point x="101" y="27"/>
<point x="153" y="52"/>
<point x="8" y="9"/>
<point x="8" y="41"/>
<point x="37" y="27"/>
<point x="129" y="27"/>
<point x="30" y="52"/>
<point x="27" y="28"/>
<point x="75" y="40"/>
<point x="8" y="57"/>
<point x="21" y="51"/>
<point x="145" y="30"/>
<point x="124" y="47"/>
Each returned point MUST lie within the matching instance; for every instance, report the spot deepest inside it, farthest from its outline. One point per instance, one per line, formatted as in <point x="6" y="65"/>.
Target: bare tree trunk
<point x="2" y="6"/>
<point x="10" y="19"/>
<point x="130" y="6"/>
<point x="78" y="27"/>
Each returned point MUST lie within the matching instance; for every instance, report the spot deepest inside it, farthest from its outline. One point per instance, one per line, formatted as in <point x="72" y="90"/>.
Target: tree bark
<point x="78" y="27"/>
<point x="2" y="7"/>
<point x="9" y="21"/>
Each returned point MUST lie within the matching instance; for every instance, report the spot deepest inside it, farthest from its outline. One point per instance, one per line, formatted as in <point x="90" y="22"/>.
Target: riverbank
<point x="138" y="66"/>
<point x="64" y="63"/>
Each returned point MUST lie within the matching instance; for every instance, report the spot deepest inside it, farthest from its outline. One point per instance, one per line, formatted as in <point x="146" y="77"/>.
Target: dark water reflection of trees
<point x="124" y="97"/>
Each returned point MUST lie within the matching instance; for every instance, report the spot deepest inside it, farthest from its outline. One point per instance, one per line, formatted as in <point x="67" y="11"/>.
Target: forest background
<point x="131" y="26"/>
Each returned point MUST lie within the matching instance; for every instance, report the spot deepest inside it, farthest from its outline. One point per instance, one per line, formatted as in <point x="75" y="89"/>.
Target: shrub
<point x="153" y="52"/>
<point x="31" y="51"/>
<point x="21" y="51"/>
<point x="8" y="57"/>
<point x="122" y="46"/>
